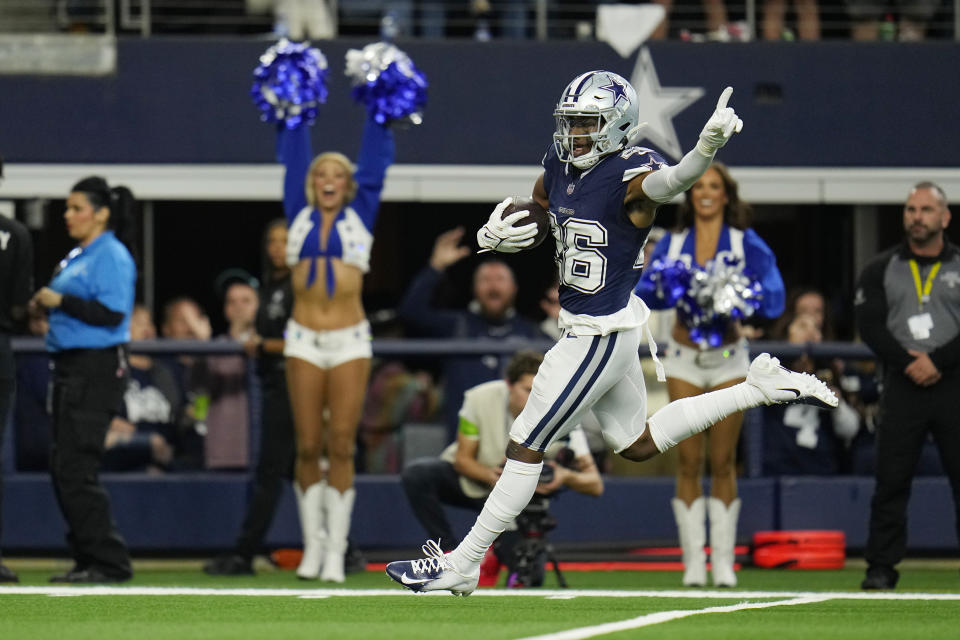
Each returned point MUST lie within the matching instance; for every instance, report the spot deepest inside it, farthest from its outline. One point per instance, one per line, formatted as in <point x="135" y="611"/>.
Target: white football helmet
<point x="611" y="101"/>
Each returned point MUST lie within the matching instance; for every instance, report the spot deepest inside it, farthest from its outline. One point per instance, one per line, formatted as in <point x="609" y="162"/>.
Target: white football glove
<point x="500" y="234"/>
<point x="720" y="127"/>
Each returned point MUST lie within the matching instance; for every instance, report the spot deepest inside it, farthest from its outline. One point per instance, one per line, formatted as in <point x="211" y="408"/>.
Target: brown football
<point x="537" y="215"/>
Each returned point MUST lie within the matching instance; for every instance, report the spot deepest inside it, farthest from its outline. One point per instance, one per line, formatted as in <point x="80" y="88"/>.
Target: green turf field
<point x="177" y="601"/>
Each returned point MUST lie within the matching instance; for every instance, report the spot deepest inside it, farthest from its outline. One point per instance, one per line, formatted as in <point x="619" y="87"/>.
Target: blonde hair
<point x="344" y="162"/>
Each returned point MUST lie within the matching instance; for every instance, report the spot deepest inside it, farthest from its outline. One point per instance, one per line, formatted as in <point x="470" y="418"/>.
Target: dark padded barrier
<point x="204" y="511"/>
<point x="844" y="503"/>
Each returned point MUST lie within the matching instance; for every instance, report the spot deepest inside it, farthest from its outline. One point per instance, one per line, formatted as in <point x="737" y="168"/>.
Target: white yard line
<point x="530" y="593"/>
<point x="664" y="616"/>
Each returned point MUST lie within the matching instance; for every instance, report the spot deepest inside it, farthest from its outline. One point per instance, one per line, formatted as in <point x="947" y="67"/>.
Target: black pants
<point x="429" y="484"/>
<point x="908" y="414"/>
<point x="7" y="378"/>
<point x="274" y="466"/>
<point x="88" y="385"/>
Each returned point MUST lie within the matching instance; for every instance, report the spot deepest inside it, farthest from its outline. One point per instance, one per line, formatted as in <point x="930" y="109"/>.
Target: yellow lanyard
<point x="923" y="291"/>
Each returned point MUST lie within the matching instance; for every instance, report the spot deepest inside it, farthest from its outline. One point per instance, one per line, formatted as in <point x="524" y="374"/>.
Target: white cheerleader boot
<point x="692" y="527"/>
<point x="310" y="503"/>
<point x="338" y="506"/>
<point x="723" y="537"/>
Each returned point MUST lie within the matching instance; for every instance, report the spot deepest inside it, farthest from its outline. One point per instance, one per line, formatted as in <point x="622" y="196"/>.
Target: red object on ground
<point x="805" y="549"/>
<point x="287" y="558"/>
<point x="489" y="570"/>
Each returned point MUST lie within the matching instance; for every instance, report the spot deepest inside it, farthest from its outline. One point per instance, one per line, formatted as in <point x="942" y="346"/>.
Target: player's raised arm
<point x="664" y="184"/>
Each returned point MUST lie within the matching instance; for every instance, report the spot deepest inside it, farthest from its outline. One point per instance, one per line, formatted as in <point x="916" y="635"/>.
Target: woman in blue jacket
<point x="90" y="300"/>
<point x="713" y="225"/>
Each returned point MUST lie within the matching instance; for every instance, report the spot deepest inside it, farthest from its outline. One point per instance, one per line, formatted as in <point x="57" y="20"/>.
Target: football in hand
<point x="535" y="214"/>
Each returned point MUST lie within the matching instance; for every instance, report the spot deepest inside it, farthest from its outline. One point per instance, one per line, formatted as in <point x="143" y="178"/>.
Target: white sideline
<point x="530" y="593"/>
<point x="664" y="616"/>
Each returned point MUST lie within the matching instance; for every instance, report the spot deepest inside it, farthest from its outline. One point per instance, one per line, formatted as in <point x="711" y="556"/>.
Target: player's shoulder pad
<point x="642" y="156"/>
<point x="636" y="161"/>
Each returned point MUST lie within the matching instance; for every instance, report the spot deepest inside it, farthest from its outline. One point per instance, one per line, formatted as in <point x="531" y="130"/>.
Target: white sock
<point x="688" y="416"/>
<point x="509" y="497"/>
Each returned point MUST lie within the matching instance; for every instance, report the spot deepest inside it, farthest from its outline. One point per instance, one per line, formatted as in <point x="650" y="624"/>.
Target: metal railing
<point x="432" y="347"/>
<point x="480" y="19"/>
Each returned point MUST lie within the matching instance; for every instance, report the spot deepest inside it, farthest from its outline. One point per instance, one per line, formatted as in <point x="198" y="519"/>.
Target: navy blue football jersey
<point x="598" y="250"/>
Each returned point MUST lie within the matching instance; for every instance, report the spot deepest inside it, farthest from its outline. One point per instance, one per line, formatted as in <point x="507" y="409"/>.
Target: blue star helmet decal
<point x="616" y="88"/>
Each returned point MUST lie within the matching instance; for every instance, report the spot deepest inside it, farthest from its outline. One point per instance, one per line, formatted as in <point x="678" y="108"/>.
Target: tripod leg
<point x="551" y="557"/>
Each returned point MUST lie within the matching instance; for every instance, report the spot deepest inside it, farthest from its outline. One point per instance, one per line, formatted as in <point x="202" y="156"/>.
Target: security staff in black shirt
<point x="908" y="313"/>
<point x="16" y="285"/>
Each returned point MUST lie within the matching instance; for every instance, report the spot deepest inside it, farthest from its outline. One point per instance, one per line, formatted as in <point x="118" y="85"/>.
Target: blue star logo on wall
<point x="617" y="89"/>
<point x="658" y="105"/>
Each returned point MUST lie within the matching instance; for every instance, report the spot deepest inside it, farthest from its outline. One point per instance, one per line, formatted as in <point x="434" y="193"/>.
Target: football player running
<point x="602" y="194"/>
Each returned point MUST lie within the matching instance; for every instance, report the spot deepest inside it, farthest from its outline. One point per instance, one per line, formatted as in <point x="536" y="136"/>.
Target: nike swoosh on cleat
<point x="793" y="390"/>
<point x="405" y="580"/>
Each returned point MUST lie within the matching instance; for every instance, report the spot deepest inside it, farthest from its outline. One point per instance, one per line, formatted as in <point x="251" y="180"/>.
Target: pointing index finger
<point x="724" y="97"/>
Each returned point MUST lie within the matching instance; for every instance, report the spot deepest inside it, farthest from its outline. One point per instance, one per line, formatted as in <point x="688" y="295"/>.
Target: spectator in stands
<point x="183" y="319"/>
<point x="467" y="470"/>
<point x="227" y="443"/>
<point x="802" y="439"/>
<point x="141" y="437"/>
<point x="774" y="20"/>
<point x="869" y="18"/>
<point x="90" y="299"/>
<point x="716" y="20"/>
<point x="238" y="290"/>
<point x="906" y="307"/>
<point x="713" y="224"/>
<point x="489" y="315"/>
<point x="506" y="19"/>
<point x="16" y="285"/>
<point x="550" y="305"/>
<point x="275" y="462"/>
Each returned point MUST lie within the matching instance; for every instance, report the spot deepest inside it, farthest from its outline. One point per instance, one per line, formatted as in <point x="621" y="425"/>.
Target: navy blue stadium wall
<point x="176" y="100"/>
<point x="203" y="512"/>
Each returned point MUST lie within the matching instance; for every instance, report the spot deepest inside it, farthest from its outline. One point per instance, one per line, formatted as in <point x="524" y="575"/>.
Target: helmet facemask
<point x="590" y="134"/>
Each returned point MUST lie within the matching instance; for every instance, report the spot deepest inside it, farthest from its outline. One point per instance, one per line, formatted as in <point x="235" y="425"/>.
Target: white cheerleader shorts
<point x="707" y="368"/>
<point x="584" y="372"/>
<point x="327" y="349"/>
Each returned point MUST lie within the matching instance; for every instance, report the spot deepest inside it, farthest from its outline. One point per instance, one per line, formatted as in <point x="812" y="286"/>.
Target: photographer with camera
<point x="466" y="471"/>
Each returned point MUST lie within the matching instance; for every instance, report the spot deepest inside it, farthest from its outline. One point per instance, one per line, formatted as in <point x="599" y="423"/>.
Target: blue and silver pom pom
<point x="708" y="299"/>
<point x="388" y="83"/>
<point x="290" y="83"/>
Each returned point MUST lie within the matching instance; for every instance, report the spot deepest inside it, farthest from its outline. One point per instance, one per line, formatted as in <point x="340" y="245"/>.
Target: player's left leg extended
<point x="767" y="383"/>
